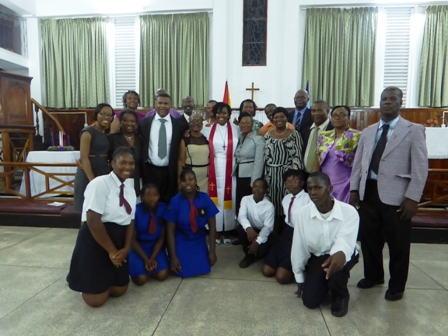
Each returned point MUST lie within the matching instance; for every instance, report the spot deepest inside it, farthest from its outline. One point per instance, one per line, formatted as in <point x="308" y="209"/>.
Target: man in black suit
<point x="301" y="116"/>
<point x="161" y="138"/>
<point x="321" y="123"/>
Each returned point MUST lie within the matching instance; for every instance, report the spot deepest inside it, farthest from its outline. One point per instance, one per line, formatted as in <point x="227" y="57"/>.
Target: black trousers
<point x="159" y="176"/>
<point x="243" y="188"/>
<point x="380" y="223"/>
<point x="316" y="287"/>
<point x="263" y="249"/>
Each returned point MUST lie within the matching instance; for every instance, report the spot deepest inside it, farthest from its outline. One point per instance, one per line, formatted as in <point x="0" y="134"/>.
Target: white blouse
<point x="102" y="196"/>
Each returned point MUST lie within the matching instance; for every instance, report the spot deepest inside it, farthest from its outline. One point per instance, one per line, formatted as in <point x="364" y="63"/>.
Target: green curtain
<point x="174" y="55"/>
<point x="339" y="55"/>
<point x="434" y="61"/>
<point x="74" y="62"/>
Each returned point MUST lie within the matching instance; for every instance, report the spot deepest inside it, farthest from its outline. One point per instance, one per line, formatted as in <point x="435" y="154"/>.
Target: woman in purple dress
<point x="335" y="151"/>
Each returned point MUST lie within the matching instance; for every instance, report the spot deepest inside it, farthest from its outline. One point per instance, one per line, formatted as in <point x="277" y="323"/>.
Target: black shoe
<point x="393" y="296"/>
<point x="248" y="260"/>
<point x="236" y="242"/>
<point x="367" y="283"/>
<point x="339" y="305"/>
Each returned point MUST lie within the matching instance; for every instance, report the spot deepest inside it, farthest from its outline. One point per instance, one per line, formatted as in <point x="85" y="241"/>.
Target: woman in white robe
<point x="222" y="185"/>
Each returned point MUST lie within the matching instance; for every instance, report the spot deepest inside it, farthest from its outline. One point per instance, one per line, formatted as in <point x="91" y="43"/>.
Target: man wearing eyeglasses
<point x="321" y="123"/>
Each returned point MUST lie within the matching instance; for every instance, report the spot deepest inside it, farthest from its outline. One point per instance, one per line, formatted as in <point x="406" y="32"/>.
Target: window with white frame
<point x="397" y="48"/>
<point x="125" y="41"/>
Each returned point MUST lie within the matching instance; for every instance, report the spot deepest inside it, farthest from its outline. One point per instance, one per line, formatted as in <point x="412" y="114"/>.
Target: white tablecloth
<point x="437" y="142"/>
<point x="37" y="181"/>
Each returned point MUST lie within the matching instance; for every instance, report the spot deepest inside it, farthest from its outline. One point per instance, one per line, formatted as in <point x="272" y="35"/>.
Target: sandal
<point x="218" y="241"/>
<point x="227" y="241"/>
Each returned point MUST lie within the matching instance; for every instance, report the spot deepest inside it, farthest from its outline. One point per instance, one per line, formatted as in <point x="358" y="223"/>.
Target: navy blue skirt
<point x="91" y="270"/>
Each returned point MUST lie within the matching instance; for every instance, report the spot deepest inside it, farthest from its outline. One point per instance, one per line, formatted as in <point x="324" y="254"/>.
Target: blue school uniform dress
<point x="191" y="248"/>
<point x="147" y="240"/>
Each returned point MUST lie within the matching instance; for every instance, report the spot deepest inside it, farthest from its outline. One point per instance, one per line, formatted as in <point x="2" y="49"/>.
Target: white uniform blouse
<point x="102" y="196"/>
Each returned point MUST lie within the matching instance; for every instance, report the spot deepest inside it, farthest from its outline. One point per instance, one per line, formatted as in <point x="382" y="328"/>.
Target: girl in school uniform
<point x="98" y="268"/>
<point x="278" y="261"/>
<point x="188" y="213"/>
<point x="148" y="257"/>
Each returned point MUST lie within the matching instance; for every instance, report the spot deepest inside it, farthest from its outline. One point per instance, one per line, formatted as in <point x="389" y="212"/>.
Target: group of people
<point x="295" y="190"/>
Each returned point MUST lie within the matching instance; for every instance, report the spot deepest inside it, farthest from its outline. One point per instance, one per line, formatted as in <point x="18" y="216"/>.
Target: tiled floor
<point x="35" y="299"/>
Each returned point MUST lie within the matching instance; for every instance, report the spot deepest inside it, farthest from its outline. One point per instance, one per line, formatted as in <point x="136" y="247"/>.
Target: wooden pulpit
<point x="16" y="116"/>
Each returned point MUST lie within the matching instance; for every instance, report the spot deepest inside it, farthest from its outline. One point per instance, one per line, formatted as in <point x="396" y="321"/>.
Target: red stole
<point x="212" y="187"/>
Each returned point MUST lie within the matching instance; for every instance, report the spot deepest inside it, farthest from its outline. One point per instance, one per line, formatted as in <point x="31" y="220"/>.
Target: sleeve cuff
<point x="260" y="240"/>
<point x="300" y="278"/>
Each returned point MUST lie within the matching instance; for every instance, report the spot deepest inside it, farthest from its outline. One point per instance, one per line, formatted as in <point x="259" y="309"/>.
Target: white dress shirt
<point x="301" y="200"/>
<point x="102" y="196"/>
<point x="258" y="216"/>
<point x="153" y="148"/>
<point x="313" y="234"/>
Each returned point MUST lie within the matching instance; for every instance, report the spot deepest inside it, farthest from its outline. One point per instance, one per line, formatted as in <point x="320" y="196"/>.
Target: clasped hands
<point x="252" y="236"/>
<point x="333" y="264"/>
<point x="119" y="257"/>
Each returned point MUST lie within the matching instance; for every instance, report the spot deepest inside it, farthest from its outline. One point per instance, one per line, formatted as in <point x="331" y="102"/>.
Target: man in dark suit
<point x="161" y="138"/>
<point x="301" y="116"/>
<point x="388" y="176"/>
<point x="321" y="123"/>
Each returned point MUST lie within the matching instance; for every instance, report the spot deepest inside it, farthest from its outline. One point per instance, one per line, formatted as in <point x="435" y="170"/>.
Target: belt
<point x="274" y="165"/>
<point x="197" y="166"/>
<point x="98" y="155"/>
<point x="245" y="162"/>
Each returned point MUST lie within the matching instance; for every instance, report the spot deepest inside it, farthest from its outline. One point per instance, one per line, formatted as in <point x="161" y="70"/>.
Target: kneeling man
<point x="324" y="246"/>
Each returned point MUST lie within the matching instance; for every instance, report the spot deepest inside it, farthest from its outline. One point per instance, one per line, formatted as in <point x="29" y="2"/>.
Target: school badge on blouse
<point x="202" y="212"/>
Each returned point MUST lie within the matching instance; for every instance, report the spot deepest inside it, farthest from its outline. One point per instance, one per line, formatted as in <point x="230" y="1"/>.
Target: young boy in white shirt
<point x="324" y="245"/>
<point x="256" y="217"/>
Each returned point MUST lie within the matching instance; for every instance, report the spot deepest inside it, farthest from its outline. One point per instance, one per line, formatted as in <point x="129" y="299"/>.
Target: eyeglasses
<point x="341" y="115"/>
<point x="106" y="115"/>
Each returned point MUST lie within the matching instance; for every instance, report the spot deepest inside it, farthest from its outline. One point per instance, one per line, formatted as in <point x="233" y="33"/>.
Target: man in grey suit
<point x="387" y="181"/>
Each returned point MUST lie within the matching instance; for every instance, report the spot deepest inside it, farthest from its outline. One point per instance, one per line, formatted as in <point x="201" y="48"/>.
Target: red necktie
<point x="289" y="209"/>
<point x="193" y="214"/>
<point x="152" y="223"/>
<point x="123" y="200"/>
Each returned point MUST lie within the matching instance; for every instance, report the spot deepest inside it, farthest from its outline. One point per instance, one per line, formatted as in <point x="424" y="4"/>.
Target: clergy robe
<point x="225" y="219"/>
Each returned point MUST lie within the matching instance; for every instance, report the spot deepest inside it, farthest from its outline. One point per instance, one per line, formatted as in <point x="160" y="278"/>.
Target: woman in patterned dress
<point x="282" y="151"/>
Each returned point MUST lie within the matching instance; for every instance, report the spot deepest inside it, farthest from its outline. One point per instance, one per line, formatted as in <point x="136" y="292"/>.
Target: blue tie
<point x="298" y="120"/>
<point x="162" y="140"/>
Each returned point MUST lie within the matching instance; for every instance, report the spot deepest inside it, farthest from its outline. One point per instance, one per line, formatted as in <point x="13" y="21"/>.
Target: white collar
<point x="263" y="201"/>
<point x="322" y="126"/>
<point x="300" y="194"/>
<point x="335" y="213"/>
<point x="167" y="117"/>
<point x="116" y="179"/>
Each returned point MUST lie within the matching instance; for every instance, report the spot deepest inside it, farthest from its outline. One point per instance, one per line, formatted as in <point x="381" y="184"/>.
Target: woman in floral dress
<point x="335" y="152"/>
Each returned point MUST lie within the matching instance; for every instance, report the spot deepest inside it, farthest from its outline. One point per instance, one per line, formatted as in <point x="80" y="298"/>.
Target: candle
<point x="61" y="139"/>
<point x="52" y="139"/>
<point x="68" y="140"/>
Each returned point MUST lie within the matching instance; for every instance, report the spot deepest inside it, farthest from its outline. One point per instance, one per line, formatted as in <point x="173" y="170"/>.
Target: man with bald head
<point x="173" y="113"/>
<point x="301" y="116"/>
<point x="321" y="123"/>
<point x="188" y="107"/>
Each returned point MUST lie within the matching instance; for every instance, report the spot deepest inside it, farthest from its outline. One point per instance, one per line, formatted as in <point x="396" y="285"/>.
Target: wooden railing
<point x="7" y="179"/>
<point x="49" y="123"/>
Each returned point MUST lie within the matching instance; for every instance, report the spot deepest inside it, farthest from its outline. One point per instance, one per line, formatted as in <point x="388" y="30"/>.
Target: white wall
<point x="278" y="80"/>
<point x="22" y="7"/>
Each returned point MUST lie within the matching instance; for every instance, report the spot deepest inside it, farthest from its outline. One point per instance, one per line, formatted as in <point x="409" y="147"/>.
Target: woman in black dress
<point x="93" y="150"/>
<point x="128" y="138"/>
<point x="98" y="268"/>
